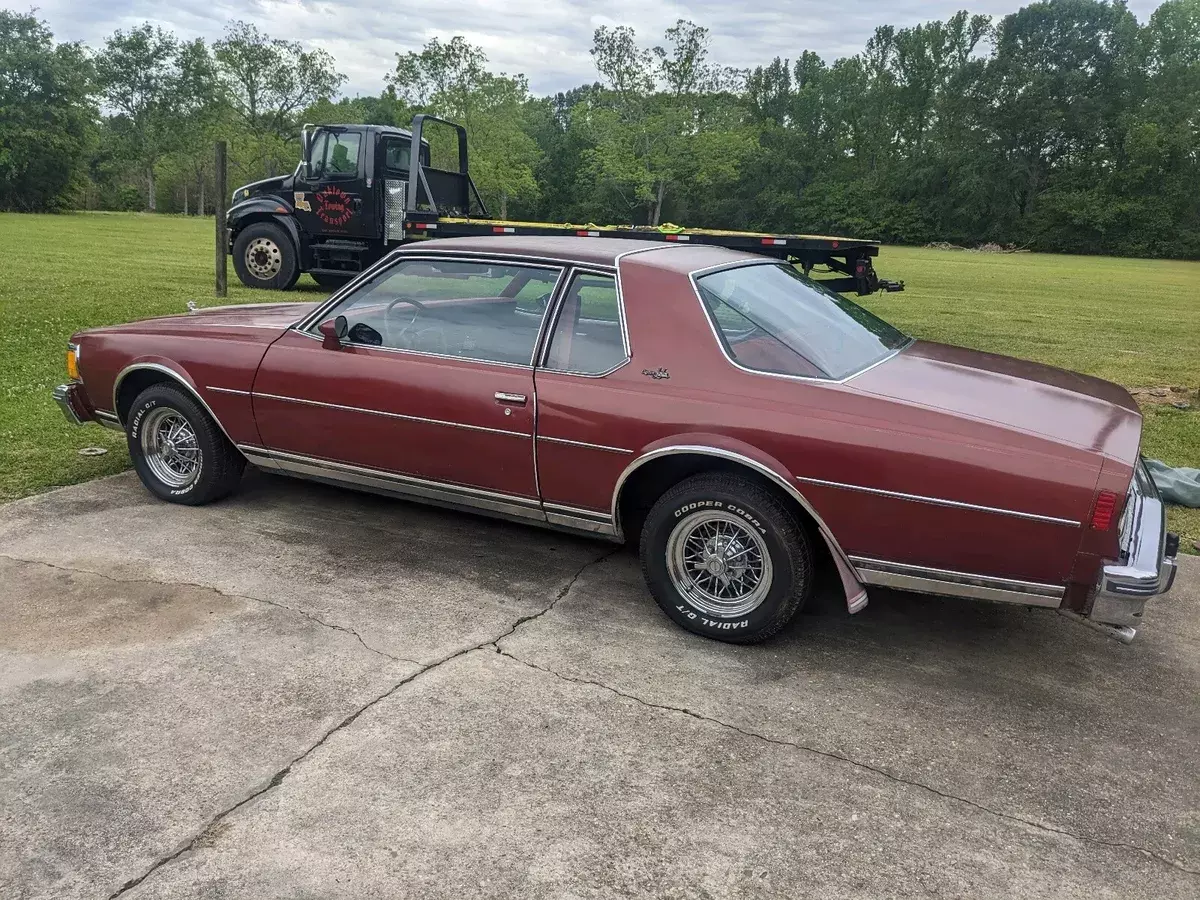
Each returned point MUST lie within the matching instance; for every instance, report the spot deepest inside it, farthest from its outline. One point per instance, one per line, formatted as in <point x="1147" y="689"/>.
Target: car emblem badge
<point x="658" y="375"/>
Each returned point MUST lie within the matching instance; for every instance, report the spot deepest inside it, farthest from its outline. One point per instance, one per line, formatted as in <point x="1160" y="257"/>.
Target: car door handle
<point x="503" y="397"/>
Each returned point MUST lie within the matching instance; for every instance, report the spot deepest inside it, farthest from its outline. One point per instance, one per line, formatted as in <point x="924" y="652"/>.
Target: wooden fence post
<point x="222" y="288"/>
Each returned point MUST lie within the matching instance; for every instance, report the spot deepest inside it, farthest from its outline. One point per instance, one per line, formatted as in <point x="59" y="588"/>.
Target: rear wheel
<point x="265" y="257"/>
<point x="725" y="558"/>
<point x="178" y="451"/>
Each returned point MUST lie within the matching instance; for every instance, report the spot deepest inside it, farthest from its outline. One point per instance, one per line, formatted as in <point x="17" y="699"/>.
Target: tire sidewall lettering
<point x="732" y="508"/>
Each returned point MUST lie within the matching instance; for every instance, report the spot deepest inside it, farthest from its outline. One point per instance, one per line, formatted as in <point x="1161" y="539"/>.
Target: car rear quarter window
<point x="588" y="338"/>
<point x="770" y="318"/>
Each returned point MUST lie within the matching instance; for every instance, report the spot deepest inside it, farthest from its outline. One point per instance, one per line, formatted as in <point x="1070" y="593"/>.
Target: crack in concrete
<point x="883" y="773"/>
<point x="220" y="593"/>
<point x="283" y="773"/>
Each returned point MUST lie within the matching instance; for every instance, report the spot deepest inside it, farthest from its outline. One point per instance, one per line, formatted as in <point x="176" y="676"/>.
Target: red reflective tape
<point x="774" y="242"/>
<point x="503" y="229"/>
<point x="835" y="245"/>
<point x="678" y="237"/>
<point x="587" y="234"/>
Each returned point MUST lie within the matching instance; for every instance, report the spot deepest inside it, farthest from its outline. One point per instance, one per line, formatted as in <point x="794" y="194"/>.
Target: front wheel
<point x="725" y="558"/>
<point x="265" y="257"/>
<point x="178" y="451"/>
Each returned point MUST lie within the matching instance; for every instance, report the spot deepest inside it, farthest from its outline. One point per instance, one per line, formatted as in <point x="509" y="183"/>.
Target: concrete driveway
<point x="307" y="693"/>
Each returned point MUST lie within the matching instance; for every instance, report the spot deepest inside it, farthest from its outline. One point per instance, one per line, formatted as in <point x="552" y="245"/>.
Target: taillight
<point x="1104" y="510"/>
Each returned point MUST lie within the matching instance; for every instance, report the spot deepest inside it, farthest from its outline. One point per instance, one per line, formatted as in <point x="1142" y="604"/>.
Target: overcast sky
<point x="547" y="40"/>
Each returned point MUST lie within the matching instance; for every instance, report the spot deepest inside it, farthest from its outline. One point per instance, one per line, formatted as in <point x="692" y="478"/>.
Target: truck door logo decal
<point x="299" y="202"/>
<point x="333" y="206"/>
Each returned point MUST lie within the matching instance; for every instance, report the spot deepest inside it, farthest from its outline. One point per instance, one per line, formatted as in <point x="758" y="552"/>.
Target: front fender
<point x="262" y="209"/>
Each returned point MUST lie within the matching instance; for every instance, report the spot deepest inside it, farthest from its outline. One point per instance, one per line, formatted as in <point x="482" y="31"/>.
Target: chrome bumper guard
<point x="64" y="396"/>
<point x="1147" y="564"/>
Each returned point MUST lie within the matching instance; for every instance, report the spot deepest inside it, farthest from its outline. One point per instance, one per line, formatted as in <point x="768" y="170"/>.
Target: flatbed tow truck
<point x="359" y="191"/>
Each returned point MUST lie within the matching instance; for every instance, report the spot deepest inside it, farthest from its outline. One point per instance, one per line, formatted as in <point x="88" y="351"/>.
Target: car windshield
<point x="771" y="318"/>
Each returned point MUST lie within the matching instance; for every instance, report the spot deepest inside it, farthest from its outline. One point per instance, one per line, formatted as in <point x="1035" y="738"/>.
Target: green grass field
<point x="1131" y="321"/>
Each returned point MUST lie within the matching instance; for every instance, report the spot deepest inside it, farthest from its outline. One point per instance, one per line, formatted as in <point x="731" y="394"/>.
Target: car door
<point x="334" y="198"/>
<point x="432" y="387"/>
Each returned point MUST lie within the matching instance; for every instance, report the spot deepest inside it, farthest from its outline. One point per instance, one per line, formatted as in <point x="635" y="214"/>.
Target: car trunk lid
<point x="1065" y="407"/>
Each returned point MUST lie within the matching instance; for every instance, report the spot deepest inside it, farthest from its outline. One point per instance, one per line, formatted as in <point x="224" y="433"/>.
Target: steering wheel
<point x="393" y="337"/>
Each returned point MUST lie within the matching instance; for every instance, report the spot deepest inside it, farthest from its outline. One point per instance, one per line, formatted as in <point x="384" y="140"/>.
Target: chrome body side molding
<point x="391" y="415"/>
<point x="408" y="487"/>
<point x="175" y="377"/>
<point x="947" y="583"/>
<point x="565" y="442"/>
<point x="939" y="501"/>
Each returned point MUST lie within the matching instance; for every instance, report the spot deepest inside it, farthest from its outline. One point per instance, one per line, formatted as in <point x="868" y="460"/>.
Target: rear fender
<point x="724" y="447"/>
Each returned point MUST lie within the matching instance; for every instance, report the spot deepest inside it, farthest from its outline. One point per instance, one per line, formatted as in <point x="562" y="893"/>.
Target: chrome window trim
<point x="939" y="501"/>
<point x="393" y="415"/>
<point x="558" y="440"/>
<point x="949" y="583"/>
<point x="756" y="466"/>
<point x="174" y="376"/>
<point x="543" y="355"/>
<point x="812" y="379"/>
<point x="397" y="256"/>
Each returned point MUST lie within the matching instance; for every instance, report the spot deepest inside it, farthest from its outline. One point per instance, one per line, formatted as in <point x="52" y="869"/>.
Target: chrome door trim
<point x="392" y="415"/>
<point x="177" y="379"/>
<point x="577" y="519"/>
<point x="564" y="441"/>
<point x="225" y="390"/>
<point x="812" y="379"/>
<point x="948" y="583"/>
<point x="394" y="483"/>
<point x="939" y="501"/>
<point x="783" y="483"/>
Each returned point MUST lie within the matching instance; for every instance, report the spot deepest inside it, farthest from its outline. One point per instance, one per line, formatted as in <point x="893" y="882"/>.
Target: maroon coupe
<point x="740" y="422"/>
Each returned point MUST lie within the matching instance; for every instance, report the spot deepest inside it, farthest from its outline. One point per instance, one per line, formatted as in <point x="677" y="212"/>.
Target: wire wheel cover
<point x="170" y="448"/>
<point x="719" y="563"/>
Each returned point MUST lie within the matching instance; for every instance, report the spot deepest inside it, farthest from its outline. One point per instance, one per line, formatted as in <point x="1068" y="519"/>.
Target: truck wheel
<point x="265" y="257"/>
<point x="725" y="558"/>
<point x="179" y="452"/>
<point x="330" y="282"/>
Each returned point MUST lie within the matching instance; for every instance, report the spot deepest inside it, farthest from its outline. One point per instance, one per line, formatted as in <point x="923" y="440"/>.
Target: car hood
<point x="271" y="319"/>
<point x="1061" y="406"/>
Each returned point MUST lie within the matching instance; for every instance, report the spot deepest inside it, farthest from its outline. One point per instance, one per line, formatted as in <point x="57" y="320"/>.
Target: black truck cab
<point x="343" y="207"/>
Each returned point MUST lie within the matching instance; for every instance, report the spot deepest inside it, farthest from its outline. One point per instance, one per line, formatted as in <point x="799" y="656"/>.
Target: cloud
<point x="547" y="40"/>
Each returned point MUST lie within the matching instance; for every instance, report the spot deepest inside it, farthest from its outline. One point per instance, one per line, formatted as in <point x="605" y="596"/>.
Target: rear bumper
<point x="70" y="401"/>
<point x="1147" y="564"/>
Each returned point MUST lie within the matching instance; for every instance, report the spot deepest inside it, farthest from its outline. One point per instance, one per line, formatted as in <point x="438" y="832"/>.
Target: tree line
<point x="1065" y="126"/>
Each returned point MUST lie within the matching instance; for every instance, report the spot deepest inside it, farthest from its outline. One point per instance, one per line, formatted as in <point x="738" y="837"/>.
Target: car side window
<point x="467" y="309"/>
<point x="335" y="155"/>
<point x="588" y="338"/>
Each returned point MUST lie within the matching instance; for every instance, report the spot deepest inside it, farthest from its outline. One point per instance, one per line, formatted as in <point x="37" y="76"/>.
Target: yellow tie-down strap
<point x="666" y="228"/>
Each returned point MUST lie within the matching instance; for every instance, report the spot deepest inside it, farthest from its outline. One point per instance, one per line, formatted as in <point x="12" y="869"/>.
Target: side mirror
<point x="334" y="332"/>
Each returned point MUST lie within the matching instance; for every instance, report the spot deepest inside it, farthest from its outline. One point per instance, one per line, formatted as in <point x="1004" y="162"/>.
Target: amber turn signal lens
<point x="72" y="365"/>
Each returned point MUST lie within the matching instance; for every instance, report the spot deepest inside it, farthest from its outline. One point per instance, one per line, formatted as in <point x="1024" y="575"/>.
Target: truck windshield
<point x="770" y="318"/>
